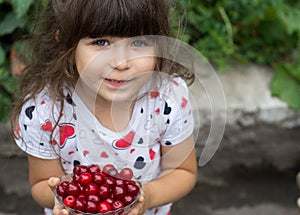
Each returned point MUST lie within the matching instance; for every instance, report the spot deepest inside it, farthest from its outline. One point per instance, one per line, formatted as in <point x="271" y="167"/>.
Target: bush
<point x="15" y="19"/>
<point x="265" y="32"/>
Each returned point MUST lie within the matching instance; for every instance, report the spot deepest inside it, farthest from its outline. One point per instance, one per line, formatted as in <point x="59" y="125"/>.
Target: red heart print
<point x="125" y="142"/>
<point x="157" y="111"/>
<point x="152" y="154"/>
<point x="66" y="131"/>
<point x="154" y="93"/>
<point x="85" y="153"/>
<point x="176" y="83"/>
<point x="104" y="155"/>
<point x="184" y="102"/>
<point x="53" y="142"/>
<point x="47" y="126"/>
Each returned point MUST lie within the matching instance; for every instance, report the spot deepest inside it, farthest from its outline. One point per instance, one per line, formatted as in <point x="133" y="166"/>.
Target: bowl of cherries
<point x="98" y="191"/>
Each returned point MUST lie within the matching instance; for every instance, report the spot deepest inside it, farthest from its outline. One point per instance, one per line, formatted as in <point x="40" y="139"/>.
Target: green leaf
<point x="2" y="55"/>
<point x="286" y="87"/>
<point x="10" y="23"/>
<point x="21" y="7"/>
<point x="290" y="17"/>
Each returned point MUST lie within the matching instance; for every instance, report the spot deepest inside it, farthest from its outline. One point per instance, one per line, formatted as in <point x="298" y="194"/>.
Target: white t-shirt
<point x="162" y="117"/>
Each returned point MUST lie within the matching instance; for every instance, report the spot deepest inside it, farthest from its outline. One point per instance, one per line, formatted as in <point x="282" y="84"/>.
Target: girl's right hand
<point x="58" y="209"/>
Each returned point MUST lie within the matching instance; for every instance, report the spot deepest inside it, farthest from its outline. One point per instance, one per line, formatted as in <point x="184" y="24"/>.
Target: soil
<point x="242" y="189"/>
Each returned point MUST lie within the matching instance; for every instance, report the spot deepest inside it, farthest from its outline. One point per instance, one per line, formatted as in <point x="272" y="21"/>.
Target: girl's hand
<point x="58" y="209"/>
<point x="140" y="207"/>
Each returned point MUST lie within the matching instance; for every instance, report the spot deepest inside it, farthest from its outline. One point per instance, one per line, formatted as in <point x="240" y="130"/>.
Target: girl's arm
<point x="178" y="178"/>
<point x="40" y="170"/>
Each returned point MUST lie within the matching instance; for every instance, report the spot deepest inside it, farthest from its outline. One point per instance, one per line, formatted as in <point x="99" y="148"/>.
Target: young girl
<point x="97" y="90"/>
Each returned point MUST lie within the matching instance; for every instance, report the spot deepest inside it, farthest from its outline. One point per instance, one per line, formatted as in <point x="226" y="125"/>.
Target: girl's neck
<point x="115" y="116"/>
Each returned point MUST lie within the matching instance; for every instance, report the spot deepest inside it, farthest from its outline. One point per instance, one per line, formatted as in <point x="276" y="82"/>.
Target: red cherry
<point x="111" y="182"/>
<point x="81" y="187"/>
<point x="80" y="205"/>
<point x="82" y="197"/>
<point x="120" y="182"/>
<point x="73" y="189"/>
<point x="93" y="198"/>
<point x="69" y="201"/>
<point x="94" y="168"/>
<point x="117" y="205"/>
<point x="85" y="178"/>
<point x="132" y="189"/>
<point x="128" y="199"/>
<point x="130" y="182"/>
<point x="112" y="172"/>
<point x="91" y="207"/>
<point x="78" y="169"/>
<point x="76" y="178"/>
<point x="119" y="192"/>
<point x="64" y="183"/>
<point x="108" y="167"/>
<point x="126" y="173"/>
<point x="98" y="178"/>
<point x="61" y="191"/>
<point x="91" y="188"/>
<point x="104" y="207"/>
<point x="109" y="200"/>
<point x="104" y="191"/>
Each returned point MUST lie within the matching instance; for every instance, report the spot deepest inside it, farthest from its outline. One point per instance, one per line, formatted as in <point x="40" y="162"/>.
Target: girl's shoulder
<point x="42" y="107"/>
<point x="174" y="88"/>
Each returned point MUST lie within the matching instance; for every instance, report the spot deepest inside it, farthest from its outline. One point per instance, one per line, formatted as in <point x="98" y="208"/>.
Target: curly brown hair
<point x="65" y="22"/>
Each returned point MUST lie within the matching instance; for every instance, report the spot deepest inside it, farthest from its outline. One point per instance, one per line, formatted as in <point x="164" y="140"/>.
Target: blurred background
<point x="253" y="45"/>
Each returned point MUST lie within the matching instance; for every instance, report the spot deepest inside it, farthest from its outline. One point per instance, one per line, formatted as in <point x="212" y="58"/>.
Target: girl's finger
<point x="52" y="182"/>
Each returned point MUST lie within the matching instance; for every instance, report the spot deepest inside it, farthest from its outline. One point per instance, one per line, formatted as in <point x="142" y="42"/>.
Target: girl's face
<point x="114" y="68"/>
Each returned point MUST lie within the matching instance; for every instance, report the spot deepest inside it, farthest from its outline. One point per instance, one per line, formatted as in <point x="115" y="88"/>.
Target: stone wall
<point x="260" y="130"/>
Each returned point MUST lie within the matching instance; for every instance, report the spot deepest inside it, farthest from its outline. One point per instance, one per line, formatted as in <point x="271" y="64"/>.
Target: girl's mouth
<point x="115" y="83"/>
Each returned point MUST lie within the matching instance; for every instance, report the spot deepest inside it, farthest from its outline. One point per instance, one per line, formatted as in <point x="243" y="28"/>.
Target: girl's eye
<point x="101" y="43"/>
<point x="138" y="43"/>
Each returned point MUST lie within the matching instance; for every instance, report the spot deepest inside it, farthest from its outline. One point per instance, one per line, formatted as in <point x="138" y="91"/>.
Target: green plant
<point x="15" y="19"/>
<point x="250" y="31"/>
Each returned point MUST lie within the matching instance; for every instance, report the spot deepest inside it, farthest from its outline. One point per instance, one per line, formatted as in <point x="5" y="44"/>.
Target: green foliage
<point x="286" y="84"/>
<point x="249" y="31"/>
<point x="265" y="32"/>
<point x="15" y="21"/>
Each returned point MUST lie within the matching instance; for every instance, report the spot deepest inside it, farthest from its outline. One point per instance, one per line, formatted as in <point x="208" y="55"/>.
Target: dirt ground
<point x="244" y="192"/>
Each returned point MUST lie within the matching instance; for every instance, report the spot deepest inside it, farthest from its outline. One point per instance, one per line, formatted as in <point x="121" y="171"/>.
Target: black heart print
<point x="167" y="109"/>
<point x="139" y="163"/>
<point x="76" y="162"/>
<point x="141" y="141"/>
<point x="29" y="112"/>
<point x="168" y="143"/>
<point x="70" y="100"/>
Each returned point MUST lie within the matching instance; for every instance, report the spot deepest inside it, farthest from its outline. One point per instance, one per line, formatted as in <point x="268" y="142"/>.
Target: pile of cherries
<point x="94" y="190"/>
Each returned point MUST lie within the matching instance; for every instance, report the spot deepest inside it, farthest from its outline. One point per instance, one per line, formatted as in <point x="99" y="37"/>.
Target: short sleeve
<point x="178" y="113"/>
<point x="34" y="129"/>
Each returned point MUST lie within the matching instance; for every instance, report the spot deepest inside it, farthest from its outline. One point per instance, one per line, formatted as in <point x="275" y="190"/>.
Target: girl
<point x="98" y="90"/>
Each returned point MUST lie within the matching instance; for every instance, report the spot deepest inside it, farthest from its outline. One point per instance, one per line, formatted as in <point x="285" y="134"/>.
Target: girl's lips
<point x="115" y="83"/>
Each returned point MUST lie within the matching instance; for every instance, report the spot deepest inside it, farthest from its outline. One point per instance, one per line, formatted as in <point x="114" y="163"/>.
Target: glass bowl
<point x="119" y="211"/>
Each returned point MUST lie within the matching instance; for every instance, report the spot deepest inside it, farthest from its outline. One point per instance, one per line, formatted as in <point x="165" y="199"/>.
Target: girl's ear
<point x="57" y="35"/>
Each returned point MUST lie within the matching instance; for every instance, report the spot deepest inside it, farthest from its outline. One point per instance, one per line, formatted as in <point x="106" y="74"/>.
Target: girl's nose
<point x="120" y="58"/>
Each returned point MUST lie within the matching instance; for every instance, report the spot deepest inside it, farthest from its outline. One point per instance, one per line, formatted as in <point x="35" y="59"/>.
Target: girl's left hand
<point x="140" y="207"/>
